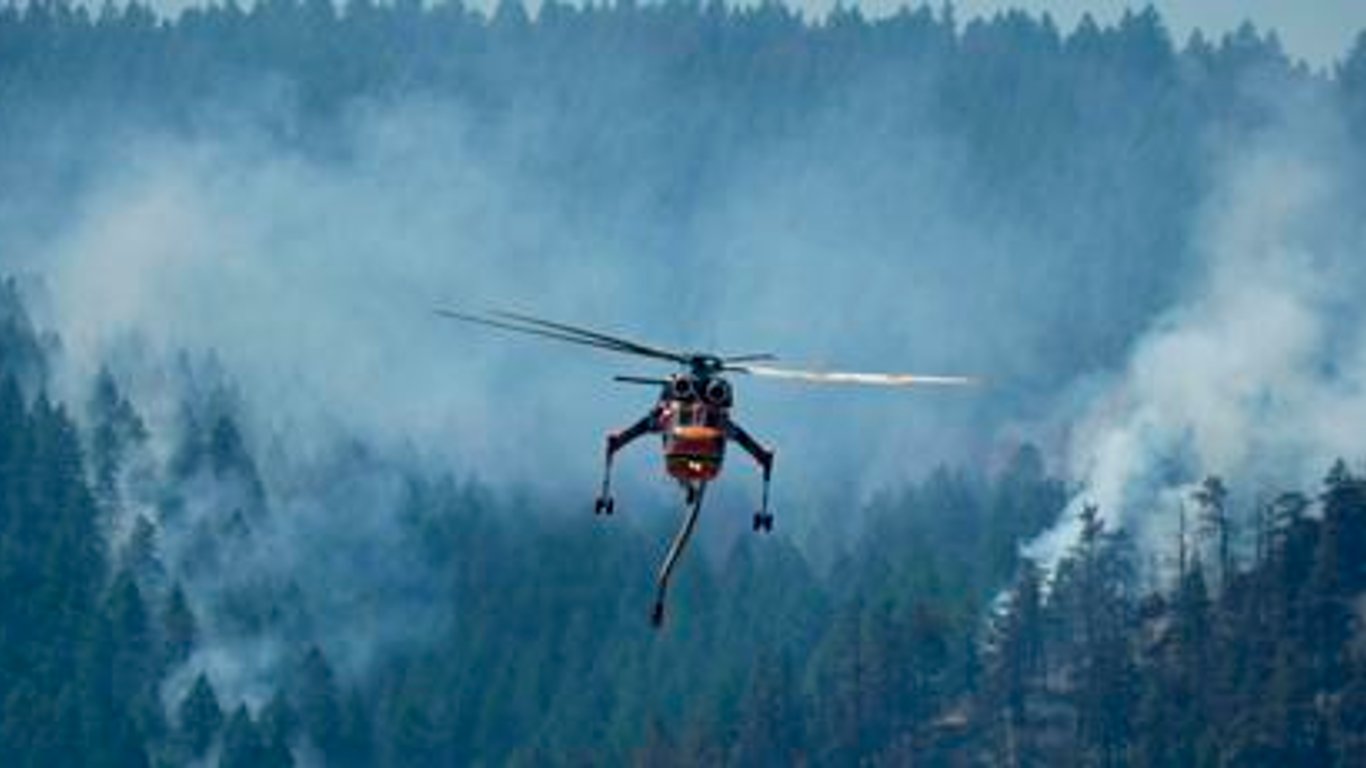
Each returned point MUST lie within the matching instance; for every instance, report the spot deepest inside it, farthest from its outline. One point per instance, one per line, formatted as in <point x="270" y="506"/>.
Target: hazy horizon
<point x="1320" y="38"/>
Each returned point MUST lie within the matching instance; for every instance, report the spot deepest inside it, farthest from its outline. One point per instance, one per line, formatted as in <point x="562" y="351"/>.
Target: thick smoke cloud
<point x="313" y="283"/>
<point x="1258" y="374"/>
<point x="876" y="228"/>
<point x="303" y="287"/>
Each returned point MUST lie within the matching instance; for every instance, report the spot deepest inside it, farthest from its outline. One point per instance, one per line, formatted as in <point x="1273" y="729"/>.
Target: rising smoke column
<point x="1259" y="374"/>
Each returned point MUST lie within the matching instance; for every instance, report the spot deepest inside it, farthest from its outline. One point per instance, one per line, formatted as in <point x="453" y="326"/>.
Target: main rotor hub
<point x="704" y="366"/>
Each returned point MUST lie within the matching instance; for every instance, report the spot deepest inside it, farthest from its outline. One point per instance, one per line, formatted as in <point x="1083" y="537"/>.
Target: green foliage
<point x="178" y="629"/>
<point x="320" y="710"/>
<point x="882" y="657"/>
<point x="200" y="717"/>
<point x="117" y="430"/>
<point x="242" y="745"/>
<point x="898" y="652"/>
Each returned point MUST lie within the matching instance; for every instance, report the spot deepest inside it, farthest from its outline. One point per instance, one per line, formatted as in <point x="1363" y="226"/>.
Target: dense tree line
<point x="904" y="650"/>
<point x="130" y="571"/>
<point x="545" y="655"/>
<point x="1253" y="661"/>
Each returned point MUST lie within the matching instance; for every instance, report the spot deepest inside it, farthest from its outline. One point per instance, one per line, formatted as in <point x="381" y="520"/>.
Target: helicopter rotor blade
<point x="852" y="377"/>
<point x="641" y="380"/>
<point x="626" y="345"/>
<point x="533" y="331"/>
<point x="535" y="326"/>
<point x="755" y="357"/>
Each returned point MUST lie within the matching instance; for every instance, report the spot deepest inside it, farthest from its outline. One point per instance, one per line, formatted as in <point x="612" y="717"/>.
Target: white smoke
<point x="861" y="240"/>
<point x="1259" y="375"/>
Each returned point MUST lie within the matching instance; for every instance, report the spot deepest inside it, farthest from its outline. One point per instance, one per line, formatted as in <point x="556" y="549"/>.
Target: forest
<point x="192" y="573"/>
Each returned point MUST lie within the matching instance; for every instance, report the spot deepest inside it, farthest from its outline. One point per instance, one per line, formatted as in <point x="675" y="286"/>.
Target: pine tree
<point x="357" y="731"/>
<point x="242" y="745"/>
<point x="133" y="661"/>
<point x="1192" y="664"/>
<point x="117" y="430"/>
<point x="276" y="754"/>
<point x="199" y="717"/>
<point x="1016" y="669"/>
<point x="279" y="722"/>
<point x="179" y="630"/>
<point x="141" y="557"/>
<point x="1335" y="577"/>
<point x="411" y="736"/>
<point x="13" y="421"/>
<point x="1212" y="497"/>
<point x="320" y="710"/>
<point x="769" y="729"/>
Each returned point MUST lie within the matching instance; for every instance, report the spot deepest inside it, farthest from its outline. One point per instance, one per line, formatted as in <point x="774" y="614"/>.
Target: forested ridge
<point x="168" y="596"/>
<point x="903" y="651"/>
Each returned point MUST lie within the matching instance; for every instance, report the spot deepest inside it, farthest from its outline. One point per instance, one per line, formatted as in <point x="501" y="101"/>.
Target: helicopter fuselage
<point x="694" y="439"/>
<point x="693" y="415"/>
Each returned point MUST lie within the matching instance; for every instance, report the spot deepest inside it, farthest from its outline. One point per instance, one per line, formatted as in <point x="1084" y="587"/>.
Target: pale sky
<point x="1319" y="31"/>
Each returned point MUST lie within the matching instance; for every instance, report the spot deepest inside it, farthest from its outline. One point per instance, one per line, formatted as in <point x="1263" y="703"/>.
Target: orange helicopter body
<point x="694" y="440"/>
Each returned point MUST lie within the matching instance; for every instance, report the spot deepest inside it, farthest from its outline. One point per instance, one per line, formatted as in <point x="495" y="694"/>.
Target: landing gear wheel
<point x="763" y="521"/>
<point x="657" y="615"/>
<point x="604" y="505"/>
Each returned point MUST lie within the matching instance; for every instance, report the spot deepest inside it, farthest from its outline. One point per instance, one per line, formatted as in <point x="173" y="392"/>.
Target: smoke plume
<point x="1258" y="374"/>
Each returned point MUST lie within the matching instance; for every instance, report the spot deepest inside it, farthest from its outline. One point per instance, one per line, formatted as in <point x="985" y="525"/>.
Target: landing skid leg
<point x="675" y="550"/>
<point x="604" y="504"/>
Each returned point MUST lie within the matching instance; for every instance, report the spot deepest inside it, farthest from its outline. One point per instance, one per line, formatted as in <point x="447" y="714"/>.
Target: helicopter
<point x="691" y="414"/>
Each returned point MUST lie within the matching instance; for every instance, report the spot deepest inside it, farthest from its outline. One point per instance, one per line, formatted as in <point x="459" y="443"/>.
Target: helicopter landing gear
<point x="604" y="504"/>
<point x="675" y="549"/>
<point x="763" y="519"/>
